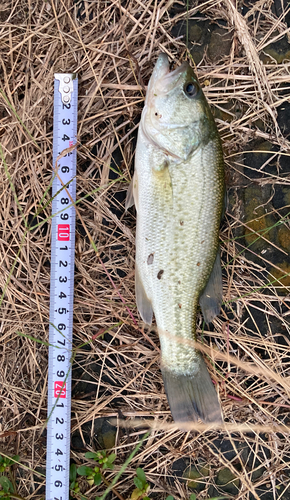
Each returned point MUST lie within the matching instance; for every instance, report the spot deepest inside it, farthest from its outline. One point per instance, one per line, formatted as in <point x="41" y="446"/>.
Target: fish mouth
<point x="164" y="79"/>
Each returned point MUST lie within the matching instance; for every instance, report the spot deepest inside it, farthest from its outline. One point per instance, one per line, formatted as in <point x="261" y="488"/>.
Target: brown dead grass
<point x="113" y="46"/>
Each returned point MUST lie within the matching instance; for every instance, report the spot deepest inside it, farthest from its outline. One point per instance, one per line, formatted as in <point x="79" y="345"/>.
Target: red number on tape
<point x="63" y="232"/>
<point x="60" y="389"/>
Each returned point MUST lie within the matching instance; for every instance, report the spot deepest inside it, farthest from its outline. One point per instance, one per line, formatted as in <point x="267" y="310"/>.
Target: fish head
<point x="176" y="117"/>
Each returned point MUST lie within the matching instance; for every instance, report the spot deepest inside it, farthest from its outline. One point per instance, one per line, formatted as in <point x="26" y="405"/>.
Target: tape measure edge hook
<point x="65" y="85"/>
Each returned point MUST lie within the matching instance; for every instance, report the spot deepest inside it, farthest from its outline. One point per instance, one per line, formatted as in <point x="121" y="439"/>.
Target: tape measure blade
<point x="61" y="290"/>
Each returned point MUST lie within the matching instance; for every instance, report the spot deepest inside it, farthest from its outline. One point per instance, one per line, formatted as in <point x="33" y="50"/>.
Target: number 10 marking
<point x="63" y="232"/>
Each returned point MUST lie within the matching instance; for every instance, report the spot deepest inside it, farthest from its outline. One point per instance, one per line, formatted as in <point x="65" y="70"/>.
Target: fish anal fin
<point x="143" y="303"/>
<point x="192" y="396"/>
<point x="211" y="298"/>
<point x="132" y="193"/>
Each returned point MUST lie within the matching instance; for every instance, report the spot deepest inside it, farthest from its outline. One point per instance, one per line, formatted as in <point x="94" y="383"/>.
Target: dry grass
<point x="113" y="45"/>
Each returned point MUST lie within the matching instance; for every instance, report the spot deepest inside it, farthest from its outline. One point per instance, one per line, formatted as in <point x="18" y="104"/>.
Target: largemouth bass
<point x="178" y="190"/>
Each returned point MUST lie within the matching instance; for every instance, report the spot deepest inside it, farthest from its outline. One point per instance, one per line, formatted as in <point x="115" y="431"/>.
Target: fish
<point x="178" y="189"/>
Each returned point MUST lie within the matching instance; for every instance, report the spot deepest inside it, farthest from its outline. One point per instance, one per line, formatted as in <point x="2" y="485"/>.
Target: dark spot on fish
<point x="179" y="305"/>
<point x="160" y="274"/>
<point x="181" y="222"/>
<point x="198" y="264"/>
<point x="150" y="259"/>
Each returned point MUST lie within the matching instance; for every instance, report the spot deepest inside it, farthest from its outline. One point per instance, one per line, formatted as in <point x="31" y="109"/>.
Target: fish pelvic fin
<point x="143" y="303"/>
<point x="192" y="396"/>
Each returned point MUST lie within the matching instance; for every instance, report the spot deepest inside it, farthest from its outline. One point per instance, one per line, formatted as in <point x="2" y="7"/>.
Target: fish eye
<point x="190" y="89"/>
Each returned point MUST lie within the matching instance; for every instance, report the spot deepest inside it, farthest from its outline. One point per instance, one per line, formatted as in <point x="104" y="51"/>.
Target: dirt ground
<point x="241" y="52"/>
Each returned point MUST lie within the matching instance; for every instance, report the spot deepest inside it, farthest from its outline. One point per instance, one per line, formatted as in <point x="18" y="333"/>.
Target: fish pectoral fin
<point x="211" y="298"/>
<point x="192" y="396"/>
<point x="132" y="193"/>
<point x="143" y="303"/>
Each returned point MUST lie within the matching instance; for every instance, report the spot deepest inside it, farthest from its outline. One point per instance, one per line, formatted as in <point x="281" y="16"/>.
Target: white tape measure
<point x="61" y="288"/>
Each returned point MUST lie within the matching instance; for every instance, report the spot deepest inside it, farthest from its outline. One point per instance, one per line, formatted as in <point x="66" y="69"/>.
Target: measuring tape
<point x="61" y="287"/>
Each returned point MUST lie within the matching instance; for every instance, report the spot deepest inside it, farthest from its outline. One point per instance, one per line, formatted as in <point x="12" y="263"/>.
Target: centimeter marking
<point x="61" y="288"/>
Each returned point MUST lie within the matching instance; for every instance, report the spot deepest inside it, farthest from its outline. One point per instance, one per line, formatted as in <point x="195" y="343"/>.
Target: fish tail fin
<point x="192" y="396"/>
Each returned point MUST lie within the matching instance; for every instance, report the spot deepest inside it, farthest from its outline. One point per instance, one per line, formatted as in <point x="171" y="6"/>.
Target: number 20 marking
<point x="59" y="389"/>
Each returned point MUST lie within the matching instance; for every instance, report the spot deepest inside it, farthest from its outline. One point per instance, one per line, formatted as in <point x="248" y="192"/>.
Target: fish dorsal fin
<point x="143" y="303"/>
<point x="132" y="193"/>
<point x="211" y="298"/>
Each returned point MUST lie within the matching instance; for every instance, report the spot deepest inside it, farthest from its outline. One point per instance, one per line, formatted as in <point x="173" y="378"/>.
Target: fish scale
<point x="170" y="243"/>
